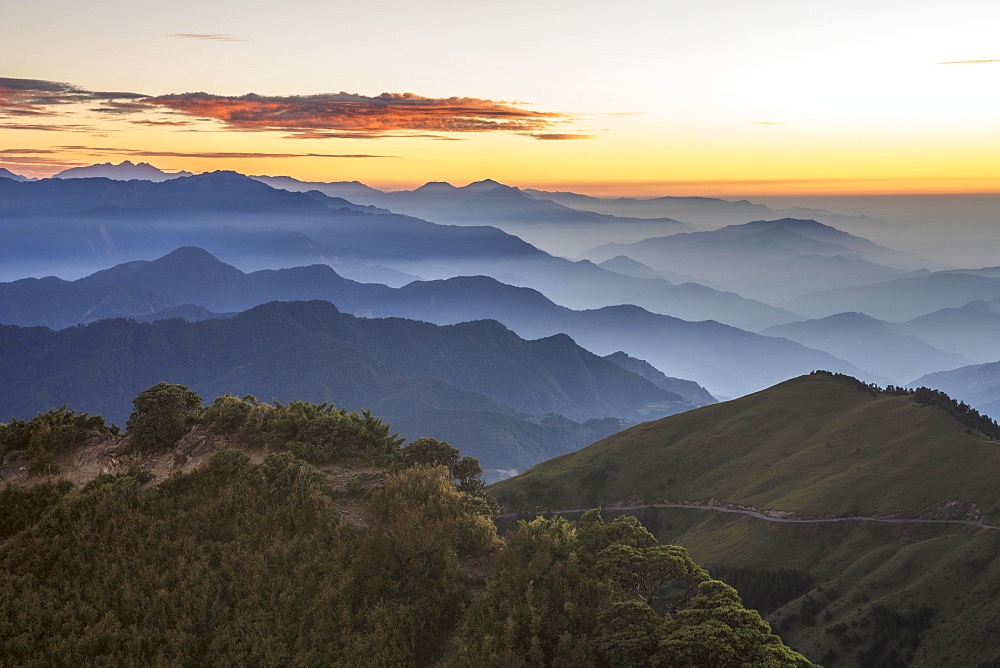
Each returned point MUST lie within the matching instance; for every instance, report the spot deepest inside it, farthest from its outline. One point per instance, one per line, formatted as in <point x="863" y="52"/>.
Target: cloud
<point x="768" y="122"/>
<point x="179" y="154"/>
<point x="354" y="135"/>
<point x="47" y="128"/>
<point x="967" y="62"/>
<point x="353" y="115"/>
<point x="557" y="136"/>
<point x="38" y="160"/>
<point x="328" y="116"/>
<point x="34" y="97"/>
<point x="208" y="36"/>
<point x="103" y="150"/>
<point x="162" y="123"/>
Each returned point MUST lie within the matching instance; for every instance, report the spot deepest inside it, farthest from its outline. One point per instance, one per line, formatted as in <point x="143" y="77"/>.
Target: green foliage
<point x="49" y="433"/>
<point x="587" y="588"/>
<point x="322" y="434"/>
<point x="22" y="507"/>
<point x="540" y="600"/>
<point x="628" y="634"/>
<point x="285" y="472"/>
<point x="430" y="452"/>
<point x="425" y="497"/>
<point x="318" y="433"/>
<point x="233" y="416"/>
<point x="716" y="630"/>
<point x="161" y="415"/>
<point x="466" y="472"/>
<point x="252" y="564"/>
<point x="234" y="563"/>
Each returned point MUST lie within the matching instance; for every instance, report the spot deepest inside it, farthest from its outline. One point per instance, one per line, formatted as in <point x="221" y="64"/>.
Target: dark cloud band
<point x="331" y="115"/>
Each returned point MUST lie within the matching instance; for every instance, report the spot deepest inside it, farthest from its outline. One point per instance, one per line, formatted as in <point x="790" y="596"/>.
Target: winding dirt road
<point x="762" y="516"/>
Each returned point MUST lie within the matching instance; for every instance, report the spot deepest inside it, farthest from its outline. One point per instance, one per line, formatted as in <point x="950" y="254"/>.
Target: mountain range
<point x="756" y="258"/>
<point x="124" y="171"/>
<point x="559" y="229"/>
<point x="703" y="212"/>
<point x="500" y="398"/>
<point x="976" y="384"/>
<point x="903" y="298"/>
<point x="91" y="223"/>
<point x="726" y="360"/>
<point x="880" y="347"/>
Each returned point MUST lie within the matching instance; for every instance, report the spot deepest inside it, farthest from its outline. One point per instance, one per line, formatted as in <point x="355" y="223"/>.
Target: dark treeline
<point x="926" y="396"/>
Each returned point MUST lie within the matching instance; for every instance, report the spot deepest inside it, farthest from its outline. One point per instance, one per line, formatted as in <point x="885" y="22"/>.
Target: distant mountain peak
<point x="189" y="259"/>
<point x="222" y="174"/>
<point x="432" y="186"/>
<point x="190" y="252"/>
<point x="123" y="171"/>
<point x="791" y="223"/>
<point x="7" y="174"/>
<point x="491" y="186"/>
<point x="485" y="184"/>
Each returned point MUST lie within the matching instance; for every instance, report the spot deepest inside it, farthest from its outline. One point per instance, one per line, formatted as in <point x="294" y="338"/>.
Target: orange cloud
<point x="352" y="115"/>
<point x="330" y="115"/>
<point x="208" y="36"/>
<point x="967" y="62"/>
<point x="16" y="153"/>
<point x="162" y="123"/>
<point x="557" y="136"/>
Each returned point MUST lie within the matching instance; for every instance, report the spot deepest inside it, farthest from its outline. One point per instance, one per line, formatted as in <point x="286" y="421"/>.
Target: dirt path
<point x="762" y="516"/>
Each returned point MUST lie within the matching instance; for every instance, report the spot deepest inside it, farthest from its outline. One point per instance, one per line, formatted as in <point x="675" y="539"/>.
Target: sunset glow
<point x="719" y="99"/>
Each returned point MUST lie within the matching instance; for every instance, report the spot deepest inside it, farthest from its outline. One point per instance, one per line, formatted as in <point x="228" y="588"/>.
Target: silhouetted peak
<point x="559" y="339"/>
<point x="851" y="317"/>
<point x="484" y="185"/>
<point x="222" y="175"/>
<point x="312" y="307"/>
<point x="187" y="256"/>
<point x="435" y="186"/>
<point x="312" y="315"/>
<point x="485" y="182"/>
<point x="790" y="223"/>
<point x="7" y="174"/>
<point x="125" y="170"/>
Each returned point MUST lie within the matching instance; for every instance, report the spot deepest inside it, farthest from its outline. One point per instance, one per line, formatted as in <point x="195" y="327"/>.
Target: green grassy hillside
<point x="814" y="445"/>
<point x="847" y="593"/>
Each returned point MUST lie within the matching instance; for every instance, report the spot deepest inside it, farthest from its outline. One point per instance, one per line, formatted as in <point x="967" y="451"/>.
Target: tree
<point x="162" y="415"/>
<point x="715" y="629"/>
<point x="427" y="451"/>
<point x="430" y="452"/>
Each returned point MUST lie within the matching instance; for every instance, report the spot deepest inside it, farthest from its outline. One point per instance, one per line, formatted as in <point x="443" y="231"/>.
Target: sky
<point x="719" y="97"/>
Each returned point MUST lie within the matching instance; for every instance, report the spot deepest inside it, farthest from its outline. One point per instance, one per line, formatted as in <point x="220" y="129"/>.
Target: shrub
<point x="162" y="415"/>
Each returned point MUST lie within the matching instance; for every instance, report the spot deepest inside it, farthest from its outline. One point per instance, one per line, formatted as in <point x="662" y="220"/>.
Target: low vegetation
<point x="926" y="396"/>
<point x="846" y="593"/>
<point x="596" y="593"/>
<point x="816" y="445"/>
<point x="255" y="561"/>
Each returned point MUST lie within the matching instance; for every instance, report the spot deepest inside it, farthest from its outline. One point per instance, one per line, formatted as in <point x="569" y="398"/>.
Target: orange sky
<point x="720" y="98"/>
